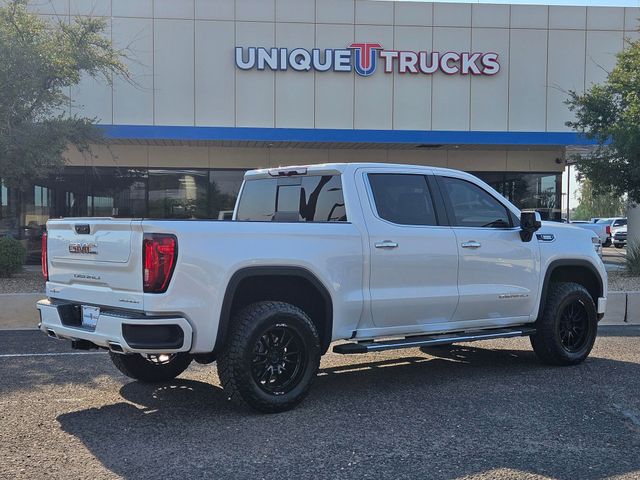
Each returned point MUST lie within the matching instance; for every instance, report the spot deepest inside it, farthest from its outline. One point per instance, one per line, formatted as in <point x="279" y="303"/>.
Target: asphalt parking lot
<point x="481" y="410"/>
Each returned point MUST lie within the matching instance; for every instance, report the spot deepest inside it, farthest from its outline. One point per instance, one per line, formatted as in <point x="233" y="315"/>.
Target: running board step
<point x="430" y="340"/>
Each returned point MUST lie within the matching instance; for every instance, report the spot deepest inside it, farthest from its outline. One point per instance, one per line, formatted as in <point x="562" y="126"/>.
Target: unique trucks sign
<point x="363" y="59"/>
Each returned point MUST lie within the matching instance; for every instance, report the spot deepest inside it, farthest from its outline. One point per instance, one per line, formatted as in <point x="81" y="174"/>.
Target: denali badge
<point x="90" y="248"/>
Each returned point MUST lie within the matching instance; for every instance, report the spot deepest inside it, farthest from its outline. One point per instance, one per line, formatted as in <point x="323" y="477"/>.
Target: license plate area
<point x="90" y="316"/>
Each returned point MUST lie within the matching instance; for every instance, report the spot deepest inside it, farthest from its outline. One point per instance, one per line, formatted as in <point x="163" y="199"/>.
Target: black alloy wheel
<point x="278" y="360"/>
<point x="573" y="326"/>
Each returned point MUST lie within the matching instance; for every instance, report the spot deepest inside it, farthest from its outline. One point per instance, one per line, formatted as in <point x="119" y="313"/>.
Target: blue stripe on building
<point x="436" y="137"/>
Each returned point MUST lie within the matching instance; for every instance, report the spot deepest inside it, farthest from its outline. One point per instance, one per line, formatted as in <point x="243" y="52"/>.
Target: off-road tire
<point x="139" y="368"/>
<point x="248" y="327"/>
<point x="547" y="342"/>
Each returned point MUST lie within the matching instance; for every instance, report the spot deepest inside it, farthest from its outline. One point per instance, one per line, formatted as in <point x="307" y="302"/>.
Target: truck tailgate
<point x="96" y="260"/>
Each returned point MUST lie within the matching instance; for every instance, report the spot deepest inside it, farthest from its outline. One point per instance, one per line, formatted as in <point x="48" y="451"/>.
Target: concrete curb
<point x="623" y="308"/>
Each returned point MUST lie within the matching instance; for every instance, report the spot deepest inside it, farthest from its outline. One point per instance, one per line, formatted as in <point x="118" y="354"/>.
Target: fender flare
<point x="260" y="271"/>
<point x="555" y="264"/>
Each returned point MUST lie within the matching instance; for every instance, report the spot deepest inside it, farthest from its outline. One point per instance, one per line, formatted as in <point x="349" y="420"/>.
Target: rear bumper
<point x="125" y="332"/>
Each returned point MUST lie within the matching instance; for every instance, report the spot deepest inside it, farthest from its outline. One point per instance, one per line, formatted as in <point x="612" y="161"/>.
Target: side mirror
<point x="530" y="222"/>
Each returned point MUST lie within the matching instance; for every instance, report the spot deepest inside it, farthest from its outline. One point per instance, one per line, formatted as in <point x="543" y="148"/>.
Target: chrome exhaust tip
<point x="115" y="347"/>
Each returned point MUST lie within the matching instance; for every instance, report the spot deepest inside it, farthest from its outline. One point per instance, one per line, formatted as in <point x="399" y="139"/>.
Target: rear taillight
<point x="608" y="229"/>
<point x="159" y="253"/>
<point x="43" y="257"/>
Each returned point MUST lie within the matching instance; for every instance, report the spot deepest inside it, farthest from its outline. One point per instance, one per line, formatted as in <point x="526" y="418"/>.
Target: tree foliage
<point x="39" y="62"/>
<point x="602" y="205"/>
<point x="610" y="114"/>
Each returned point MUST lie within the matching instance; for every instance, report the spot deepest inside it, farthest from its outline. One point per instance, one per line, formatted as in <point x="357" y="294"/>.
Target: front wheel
<point x="271" y="356"/>
<point x="151" y="368"/>
<point x="618" y="245"/>
<point x="566" y="330"/>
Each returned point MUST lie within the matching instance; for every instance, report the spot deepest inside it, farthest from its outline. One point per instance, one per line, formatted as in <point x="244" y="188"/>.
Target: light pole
<point x="568" y="190"/>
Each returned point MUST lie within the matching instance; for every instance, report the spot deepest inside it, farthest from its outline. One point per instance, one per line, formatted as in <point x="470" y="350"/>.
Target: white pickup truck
<point x="382" y="256"/>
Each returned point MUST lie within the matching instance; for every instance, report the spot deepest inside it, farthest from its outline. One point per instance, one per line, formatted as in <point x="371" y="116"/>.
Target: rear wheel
<point x="271" y="357"/>
<point x="607" y="243"/>
<point x="618" y="245"/>
<point x="151" y="368"/>
<point x="566" y="330"/>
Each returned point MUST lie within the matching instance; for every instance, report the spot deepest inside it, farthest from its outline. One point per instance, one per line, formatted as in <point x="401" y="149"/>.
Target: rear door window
<point x="313" y="198"/>
<point x="403" y="198"/>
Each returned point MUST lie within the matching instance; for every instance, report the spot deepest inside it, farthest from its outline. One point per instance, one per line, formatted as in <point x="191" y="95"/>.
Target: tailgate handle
<point x="83" y="229"/>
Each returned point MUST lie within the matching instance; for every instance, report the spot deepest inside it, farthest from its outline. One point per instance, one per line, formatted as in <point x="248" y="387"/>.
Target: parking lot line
<point x="53" y="354"/>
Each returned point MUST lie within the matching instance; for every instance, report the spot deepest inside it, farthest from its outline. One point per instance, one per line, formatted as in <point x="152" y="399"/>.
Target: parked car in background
<point x="604" y="227"/>
<point x="620" y="237"/>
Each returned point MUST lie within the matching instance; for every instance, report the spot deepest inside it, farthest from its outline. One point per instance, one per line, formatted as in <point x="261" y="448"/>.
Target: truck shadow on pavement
<point x="454" y="412"/>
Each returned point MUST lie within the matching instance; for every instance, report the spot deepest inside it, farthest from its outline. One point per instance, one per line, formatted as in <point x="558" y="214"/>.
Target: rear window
<point x="311" y="198"/>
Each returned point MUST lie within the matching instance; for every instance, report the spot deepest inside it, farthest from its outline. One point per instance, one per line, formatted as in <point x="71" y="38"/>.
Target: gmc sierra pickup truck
<point x="378" y="256"/>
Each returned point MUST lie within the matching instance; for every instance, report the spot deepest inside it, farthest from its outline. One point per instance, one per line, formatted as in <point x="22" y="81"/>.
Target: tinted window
<point x="403" y="199"/>
<point x="321" y="199"/>
<point x="472" y="206"/>
<point x="297" y="199"/>
<point x="258" y="200"/>
<point x="620" y="222"/>
<point x="536" y="191"/>
<point x="118" y="192"/>
<point x="224" y="186"/>
<point x="178" y="194"/>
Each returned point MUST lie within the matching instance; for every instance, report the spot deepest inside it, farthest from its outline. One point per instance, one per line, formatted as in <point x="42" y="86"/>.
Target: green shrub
<point x="12" y="256"/>
<point x="633" y="258"/>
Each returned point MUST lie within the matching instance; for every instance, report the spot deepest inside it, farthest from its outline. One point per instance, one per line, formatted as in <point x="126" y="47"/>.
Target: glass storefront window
<point x="118" y="192"/>
<point x="71" y="189"/>
<point x="539" y="191"/>
<point x="9" y="225"/>
<point x="204" y="194"/>
<point x="178" y="194"/>
<point x="224" y="188"/>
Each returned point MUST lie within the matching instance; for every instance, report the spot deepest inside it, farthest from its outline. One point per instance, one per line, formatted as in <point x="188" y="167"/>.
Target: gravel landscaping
<point x="29" y="281"/>
<point x="621" y="282"/>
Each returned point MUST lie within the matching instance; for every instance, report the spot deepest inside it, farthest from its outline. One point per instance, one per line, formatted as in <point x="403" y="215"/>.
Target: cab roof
<point x="340" y="168"/>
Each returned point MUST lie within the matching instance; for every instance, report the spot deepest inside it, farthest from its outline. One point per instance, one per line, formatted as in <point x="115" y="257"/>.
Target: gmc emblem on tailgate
<point x="87" y="248"/>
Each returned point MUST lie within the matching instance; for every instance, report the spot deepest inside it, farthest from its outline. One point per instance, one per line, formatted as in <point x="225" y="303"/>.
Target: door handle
<point x="471" y="244"/>
<point x="386" y="244"/>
